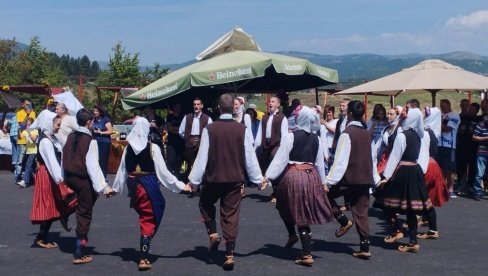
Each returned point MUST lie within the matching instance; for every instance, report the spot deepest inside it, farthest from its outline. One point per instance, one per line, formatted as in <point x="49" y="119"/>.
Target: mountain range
<point x="361" y="67"/>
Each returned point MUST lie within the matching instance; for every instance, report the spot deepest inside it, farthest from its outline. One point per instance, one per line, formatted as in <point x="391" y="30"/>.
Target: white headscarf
<point x="44" y="121"/>
<point x="307" y="120"/>
<point x="434" y="121"/>
<point x="414" y="121"/>
<point x="139" y="134"/>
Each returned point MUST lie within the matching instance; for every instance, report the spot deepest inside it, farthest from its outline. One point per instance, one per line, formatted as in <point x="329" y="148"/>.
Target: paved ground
<point x="179" y="247"/>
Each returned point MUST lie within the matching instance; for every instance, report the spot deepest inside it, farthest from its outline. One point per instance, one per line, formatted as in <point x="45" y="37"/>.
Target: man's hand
<point x="187" y="188"/>
<point x="109" y="192"/>
<point x="264" y="184"/>
<point x="326" y="188"/>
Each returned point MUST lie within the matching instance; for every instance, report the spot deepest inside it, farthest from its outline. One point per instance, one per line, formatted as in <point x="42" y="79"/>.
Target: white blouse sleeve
<point x="423" y="160"/>
<point x="399" y="147"/>
<point x="121" y="176"/>
<point x="257" y="141"/>
<point x="320" y="163"/>
<point x="164" y="175"/>
<point x="181" y="129"/>
<point x="46" y="149"/>
<point x="94" y="171"/>
<point x="282" y="157"/>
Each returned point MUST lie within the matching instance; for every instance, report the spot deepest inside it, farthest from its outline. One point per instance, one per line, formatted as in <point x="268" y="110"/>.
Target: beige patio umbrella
<point x="432" y="75"/>
<point x="235" y="40"/>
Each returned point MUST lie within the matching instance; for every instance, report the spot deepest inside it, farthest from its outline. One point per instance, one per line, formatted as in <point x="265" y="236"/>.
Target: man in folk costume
<point x="191" y="130"/>
<point x="352" y="174"/>
<point x="341" y="123"/>
<point x="47" y="205"/>
<point x="141" y="166"/>
<point x="273" y="127"/>
<point x="301" y="199"/>
<point x="82" y="173"/>
<point x="226" y="154"/>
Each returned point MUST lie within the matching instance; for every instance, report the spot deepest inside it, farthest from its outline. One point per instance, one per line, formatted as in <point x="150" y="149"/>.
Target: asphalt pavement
<point x="180" y="245"/>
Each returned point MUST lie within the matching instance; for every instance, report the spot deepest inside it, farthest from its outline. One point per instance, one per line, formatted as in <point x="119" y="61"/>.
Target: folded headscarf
<point x="414" y="121"/>
<point x="44" y="121"/>
<point x="433" y="120"/>
<point x="307" y="119"/>
<point x="139" y="134"/>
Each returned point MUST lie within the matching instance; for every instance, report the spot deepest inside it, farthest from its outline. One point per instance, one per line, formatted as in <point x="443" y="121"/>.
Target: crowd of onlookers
<point x="462" y="147"/>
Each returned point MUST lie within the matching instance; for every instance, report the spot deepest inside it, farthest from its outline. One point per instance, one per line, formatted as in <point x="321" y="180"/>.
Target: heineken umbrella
<point x="432" y="76"/>
<point x="246" y="71"/>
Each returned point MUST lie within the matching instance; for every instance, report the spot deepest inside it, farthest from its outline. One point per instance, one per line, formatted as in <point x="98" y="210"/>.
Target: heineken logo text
<point x="160" y="92"/>
<point x="292" y="67"/>
<point x="230" y="74"/>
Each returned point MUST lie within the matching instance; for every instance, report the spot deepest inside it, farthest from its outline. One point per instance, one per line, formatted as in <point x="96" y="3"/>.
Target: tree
<point x="152" y="74"/>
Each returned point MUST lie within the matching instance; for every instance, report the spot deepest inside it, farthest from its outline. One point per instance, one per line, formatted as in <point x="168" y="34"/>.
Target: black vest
<point x="143" y="159"/>
<point x="411" y="153"/>
<point x="305" y="147"/>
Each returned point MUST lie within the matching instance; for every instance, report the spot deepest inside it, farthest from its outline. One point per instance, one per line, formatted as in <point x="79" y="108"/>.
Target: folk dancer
<point x="273" y="127"/>
<point x="301" y="199"/>
<point x="352" y="176"/>
<point x="226" y="154"/>
<point x="83" y="175"/>
<point x="403" y="189"/>
<point x="47" y="205"/>
<point x="141" y="167"/>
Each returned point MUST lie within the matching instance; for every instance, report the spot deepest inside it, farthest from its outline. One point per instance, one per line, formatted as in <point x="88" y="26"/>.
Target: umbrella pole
<point x="433" y="98"/>
<point x="316" y="96"/>
<point x="392" y="101"/>
<point x="365" y="106"/>
<point x="470" y="95"/>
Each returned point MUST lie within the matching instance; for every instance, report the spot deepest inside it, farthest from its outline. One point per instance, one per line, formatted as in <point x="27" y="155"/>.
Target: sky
<point x="175" y="31"/>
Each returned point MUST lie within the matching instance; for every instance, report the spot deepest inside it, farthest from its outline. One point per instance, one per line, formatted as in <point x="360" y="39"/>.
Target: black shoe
<point x="477" y="198"/>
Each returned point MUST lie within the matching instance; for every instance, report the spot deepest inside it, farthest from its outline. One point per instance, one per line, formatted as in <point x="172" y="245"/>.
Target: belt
<point x="407" y="163"/>
<point x="305" y="166"/>
<point x="141" y="173"/>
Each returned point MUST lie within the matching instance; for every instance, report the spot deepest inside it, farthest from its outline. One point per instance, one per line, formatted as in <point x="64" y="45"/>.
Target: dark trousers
<point x="103" y="153"/>
<point x="358" y="197"/>
<point x="465" y="165"/>
<point x="86" y="200"/>
<point x="230" y="202"/>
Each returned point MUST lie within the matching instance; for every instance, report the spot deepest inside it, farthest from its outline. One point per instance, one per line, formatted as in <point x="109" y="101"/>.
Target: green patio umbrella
<point x="243" y="71"/>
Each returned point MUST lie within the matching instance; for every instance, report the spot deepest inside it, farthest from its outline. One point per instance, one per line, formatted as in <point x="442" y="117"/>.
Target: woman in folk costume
<point x="388" y="137"/>
<point x="434" y="180"/>
<point x="47" y="205"/>
<point x="142" y="168"/>
<point x="404" y="190"/>
<point x="301" y="199"/>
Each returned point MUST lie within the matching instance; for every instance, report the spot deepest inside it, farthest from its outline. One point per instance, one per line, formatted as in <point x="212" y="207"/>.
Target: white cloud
<point x="472" y="20"/>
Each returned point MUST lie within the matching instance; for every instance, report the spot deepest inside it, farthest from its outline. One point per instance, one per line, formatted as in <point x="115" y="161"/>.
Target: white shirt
<point x="46" y="149"/>
<point x="93" y="167"/>
<point x="164" y="175"/>
<point x="399" y="147"/>
<point x="282" y="159"/>
<point x="330" y="134"/>
<point x="341" y="159"/>
<point x="195" y="126"/>
<point x="448" y="139"/>
<point x="283" y="129"/>
<point x="252" y="165"/>
<point x="323" y="141"/>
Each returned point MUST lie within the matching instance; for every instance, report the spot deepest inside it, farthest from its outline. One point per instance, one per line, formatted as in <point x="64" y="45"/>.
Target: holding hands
<point x="264" y="184"/>
<point x="109" y="192"/>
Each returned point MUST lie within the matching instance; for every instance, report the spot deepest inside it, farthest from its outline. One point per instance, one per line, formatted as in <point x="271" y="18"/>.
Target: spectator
<point x="447" y="144"/>
<point x="480" y="136"/>
<point x="173" y="122"/>
<point x="102" y="129"/>
<point x="291" y="114"/>
<point x="466" y="147"/>
<point x="254" y="121"/>
<point x="22" y="114"/>
<point x="330" y="123"/>
<point x="68" y="123"/>
<point x="28" y="162"/>
<point x="258" y="112"/>
<point x="378" y="122"/>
